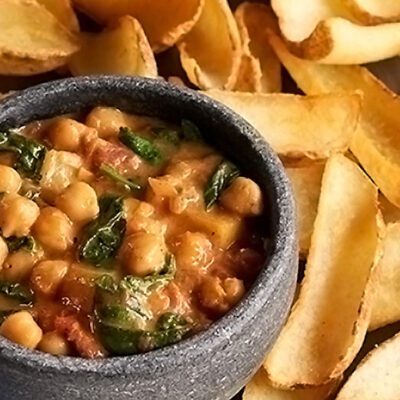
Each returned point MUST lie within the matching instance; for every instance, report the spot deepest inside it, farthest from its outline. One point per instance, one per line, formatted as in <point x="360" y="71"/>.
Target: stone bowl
<point x="216" y="363"/>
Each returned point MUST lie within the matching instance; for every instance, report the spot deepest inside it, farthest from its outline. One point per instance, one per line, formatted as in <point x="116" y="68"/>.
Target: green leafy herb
<point x="151" y="282"/>
<point x="121" y="311"/>
<point x="141" y="146"/>
<point x="106" y="283"/>
<point x="130" y="295"/>
<point x="27" y="243"/>
<point x="102" y="237"/>
<point x="113" y="174"/>
<point x="168" y="134"/>
<point x="30" y="191"/>
<point x="119" y="341"/>
<point x="29" y="153"/>
<point x="170" y="328"/>
<point x="16" y="291"/>
<point x="222" y="177"/>
<point x="190" y="131"/>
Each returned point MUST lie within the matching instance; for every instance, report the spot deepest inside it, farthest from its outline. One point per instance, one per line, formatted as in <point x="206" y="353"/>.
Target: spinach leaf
<point x="16" y="291"/>
<point x="113" y="174"/>
<point x="125" y="303"/>
<point x="119" y="341"/>
<point x="170" y="328"/>
<point x="141" y="146"/>
<point x="27" y="243"/>
<point x="121" y="309"/>
<point x="169" y="135"/>
<point x="222" y="177"/>
<point x="151" y="282"/>
<point x="190" y="131"/>
<point x="106" y="283"/>
<point x="29" y="153"/>
<point x="30" y="190"/>
<point x="102" y="237"/>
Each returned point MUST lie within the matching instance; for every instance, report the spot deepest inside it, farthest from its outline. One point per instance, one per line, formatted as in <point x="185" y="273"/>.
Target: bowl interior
<point x="223" y="129"/>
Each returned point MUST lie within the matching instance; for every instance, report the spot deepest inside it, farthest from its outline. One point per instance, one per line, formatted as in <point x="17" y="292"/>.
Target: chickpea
<point x="47" y="276"/>
<point x="106" y="121"/>
<point x="3" y="251"/>
<point x="244" y="197"/>
<point x="79" y="202"/>
<point x="10" y="181"/>
<point x="139" y="219"/>
<point x="17" y="216"/>
<point x="194" y="250"/>
<point x="65" y="134"/>
<point x="219" y="295"/>
<point x="234" y="289"/>
<point x="130" y="206"/>
<point x="143" y="253"/>
<point x="21" y="328"/>
<point x="18" y="266"/>
<point x="85" y="175"/>
<point x="54" y="229"/>
<point x="54" y="343"/>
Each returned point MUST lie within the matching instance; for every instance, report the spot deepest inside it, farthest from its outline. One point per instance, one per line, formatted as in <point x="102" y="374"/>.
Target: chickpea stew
<point x="120" y="234"/>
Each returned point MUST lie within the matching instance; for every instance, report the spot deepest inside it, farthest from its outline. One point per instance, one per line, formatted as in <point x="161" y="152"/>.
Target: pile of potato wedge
<point x="339" y="141"/>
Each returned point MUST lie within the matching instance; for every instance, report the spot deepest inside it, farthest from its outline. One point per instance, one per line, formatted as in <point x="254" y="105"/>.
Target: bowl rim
<point x="188" y="350"/>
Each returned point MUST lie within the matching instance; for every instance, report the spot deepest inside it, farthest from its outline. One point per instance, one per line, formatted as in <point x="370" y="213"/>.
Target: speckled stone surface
<point x="214" y="364"/>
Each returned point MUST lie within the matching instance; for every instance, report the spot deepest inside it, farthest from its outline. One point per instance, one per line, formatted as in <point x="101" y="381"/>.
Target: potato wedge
<point x="330" y="32"/>
<point x="377" y="376"/>
<point x="122" y="48"/>
<point x="297" y="126"/>
<point x="372" y="12"/>
<point x="260" y="69"/>
<point x="329" y="320"/>
<point x="26" y="66"/>
<point x="297" y="22"/>
<point x="306" y="183"/>
<point x="376" y="142"/>
<point x="27" y="48"/>
<point x="63" y="11"/>
<point x="165" y="22"/>
<point x="390" y="212"/>
<point x="340" y="41"/>
<point x="259" y="388"/>
<point x="211" y="52"/>
<point x="386" y="299"/>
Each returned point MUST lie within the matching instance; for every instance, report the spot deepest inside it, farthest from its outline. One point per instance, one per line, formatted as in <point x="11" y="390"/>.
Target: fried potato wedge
<point x="63" y="11"/>
<point x="165" y="22"/>
<point x="26" y="66"/>
<point x="297" y="22"/>
<point x="306" y="184"/>
<point x="211" y="52"/>
<point x="377" y="376"/>
<point x="25" y="46"/>
<point x="330" y="32"/>
<point x="329" y="320"/>
<point x="260" y="69"/>
<point x="376" y="142"/>
<point x="298" y="126"/>
<point x="390" y="212"/>
<point x="372" y="12"/>
<point x="259" y="388"/>
<point x="386" y="299"/>
<point x="339" y="41"/>
<point x="122" y="48"/>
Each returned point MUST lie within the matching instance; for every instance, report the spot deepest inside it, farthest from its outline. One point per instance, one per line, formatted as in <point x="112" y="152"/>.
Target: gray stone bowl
<point x="216" y="363"/>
